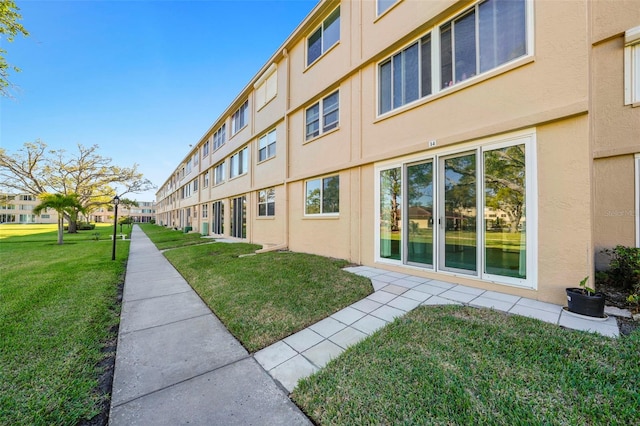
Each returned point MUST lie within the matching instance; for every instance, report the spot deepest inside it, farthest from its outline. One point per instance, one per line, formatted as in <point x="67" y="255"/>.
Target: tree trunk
<point x="60" y="228"/>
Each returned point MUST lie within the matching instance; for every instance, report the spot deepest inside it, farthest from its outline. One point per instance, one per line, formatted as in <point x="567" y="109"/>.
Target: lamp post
<point x="116" y="201"/>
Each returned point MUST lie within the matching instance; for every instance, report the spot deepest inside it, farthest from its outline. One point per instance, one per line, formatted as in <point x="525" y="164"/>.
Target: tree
<point x="62" y="204"/>
<point x="9" y="28"/>
<point x="35" y="170"/>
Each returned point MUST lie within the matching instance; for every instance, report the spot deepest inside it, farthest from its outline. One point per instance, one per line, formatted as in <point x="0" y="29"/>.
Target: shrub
<point x="624" y="267"/>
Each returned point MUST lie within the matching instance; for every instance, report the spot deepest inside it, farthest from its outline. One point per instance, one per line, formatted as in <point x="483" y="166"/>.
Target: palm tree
<point x="60" y="203"/>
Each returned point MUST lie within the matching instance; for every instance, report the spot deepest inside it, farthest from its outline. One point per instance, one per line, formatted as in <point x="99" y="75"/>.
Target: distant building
<point x="489" y="143"/>
<point x="18" y="208"/>
<point x="144" y="213"/>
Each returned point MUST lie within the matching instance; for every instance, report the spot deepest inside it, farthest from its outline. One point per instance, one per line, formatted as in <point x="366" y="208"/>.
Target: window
<point x="267" y="202"/>
<point x="205" y="211"/>
<point x="401" y="81"/>
<point x="266" y="87"/>
<point x="240" y="118"/>
<point x="196" y="159"/>
<point x="189" y="166"/>
<point x="324" y="37"/>
<point x="218" y="218"/>
<point x="205" y="180"/>
<point x="219" y="174"/>
<point x="632" y="67"/>
<point x="323" y="196"/>
<point x="219" y="137"/>
<point x="205" y="149"/>
<point x="239" y="163"/>
<point x="195" y="184"/>
<point x="330" y="107"/>
<point x="488" y="35"/>
<point x="267" y="146"/>
<point x="383" y="5"/>
<point x="471" y="212"/>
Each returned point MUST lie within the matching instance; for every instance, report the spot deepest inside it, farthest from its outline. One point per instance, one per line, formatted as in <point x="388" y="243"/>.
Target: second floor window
<point x="219" y="174"/>
<point x="239" y="118"/>
<point x="205" y="149"/>
<point x="239" y="163"/>
<point x="324" y="37"/>
<point x="219" y="137"/>
<point x="322" y="116"/>
<point x="267" y="146"/>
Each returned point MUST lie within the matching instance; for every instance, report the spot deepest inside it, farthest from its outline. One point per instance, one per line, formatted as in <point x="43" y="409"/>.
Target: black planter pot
<point x="581" y="303"/>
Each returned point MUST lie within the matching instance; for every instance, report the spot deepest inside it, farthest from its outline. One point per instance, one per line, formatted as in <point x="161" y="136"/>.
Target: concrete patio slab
<point x="289" y="372"/>
<point x="487" y="302"/>
<point x="369" y="324"/>
<point x="348" y="315"/>
<point x="322" y="353"/>
<point x="404" y="303"/>
<point x="428" y="288"/>
<point x="386" y="313"/>
<point x="437" y="300"/>
<point x="457" y="296"/>
<point x="366" y="305"/>
<point x="327" y="327"/>
<point x="542" y="315"/>
<point x="382" y="296"/>
<point x="347" y="337"/>
<point x="395" y="289"/>
<point x="417" y="295"/>
<point x="274" y="355"/>
<point x="303" y="340"/>
<point x="608" y="327"/>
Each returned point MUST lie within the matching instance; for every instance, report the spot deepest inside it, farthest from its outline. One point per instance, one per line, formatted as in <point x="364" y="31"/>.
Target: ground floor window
<point x="463" y="213"/>
<point x="267" y="202"/>
<point x="322" y="196"/>
<point x="218" y="218"/>
<point x="239" y="217"/>
<point x="205" y="211"/>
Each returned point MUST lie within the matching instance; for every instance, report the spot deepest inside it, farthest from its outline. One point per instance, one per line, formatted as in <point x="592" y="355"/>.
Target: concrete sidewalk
<point x="177" y="364"/>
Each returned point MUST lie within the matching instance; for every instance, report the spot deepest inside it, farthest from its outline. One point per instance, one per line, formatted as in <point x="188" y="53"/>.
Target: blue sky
<point x="142" y="79"/>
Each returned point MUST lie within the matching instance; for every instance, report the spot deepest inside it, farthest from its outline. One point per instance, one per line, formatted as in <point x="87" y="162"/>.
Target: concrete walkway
<point x="177" y="364"/>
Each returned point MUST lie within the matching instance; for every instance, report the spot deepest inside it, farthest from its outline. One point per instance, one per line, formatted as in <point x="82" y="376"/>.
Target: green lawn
<point x="58" y="308"/>
<point x="461" y="365"/>
<point x="263" y="298"/>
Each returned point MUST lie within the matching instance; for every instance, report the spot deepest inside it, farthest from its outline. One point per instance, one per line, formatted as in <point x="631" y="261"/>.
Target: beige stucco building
<point x="144" y="212"/>
<point x="490" y="143"/>
<point x="18" y="208"/>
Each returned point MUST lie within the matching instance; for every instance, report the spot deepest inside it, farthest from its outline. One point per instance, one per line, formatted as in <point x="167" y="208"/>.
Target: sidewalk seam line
<point x="169" y="323"/>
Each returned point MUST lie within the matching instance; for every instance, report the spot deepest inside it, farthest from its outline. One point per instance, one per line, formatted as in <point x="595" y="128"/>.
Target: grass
<point x="461" y="365"/>
<point x="166" y="238"/>
<point x="58" y="308"/>
<point x="263" y="298"/>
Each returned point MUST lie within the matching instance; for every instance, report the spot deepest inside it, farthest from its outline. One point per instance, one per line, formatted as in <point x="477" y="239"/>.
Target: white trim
<point x="631" y="73"/>
<point x="265" y="75"/>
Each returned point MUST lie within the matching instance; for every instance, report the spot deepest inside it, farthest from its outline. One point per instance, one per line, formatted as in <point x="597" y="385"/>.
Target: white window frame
<point x="436" y="87"/>
<point x="205" y="179"/>
<point x="632" y="67"/>
<point x="220" y="136"/>
<point x="266" y="88"/>
<point x="205" y="149"/>
<point x="321" y="28"/>
<point x="265" y="198"/>
<point x="323" y="127"/>
<point x="239" y="163"/>
<point x="526" y="137"/>
<point x="240" y="118"/>
<point x="205" y="211"/>
<point x="267" y="144"/>
<point x="322" y="213"/>
<point x="219" y="173"/>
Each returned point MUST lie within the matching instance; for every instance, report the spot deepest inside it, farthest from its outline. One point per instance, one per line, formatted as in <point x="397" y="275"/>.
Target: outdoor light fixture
<point x="115" y="201"/>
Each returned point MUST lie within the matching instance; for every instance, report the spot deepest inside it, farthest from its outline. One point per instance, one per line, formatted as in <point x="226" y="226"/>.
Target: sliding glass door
<point x="458" y="214"/>
<point x="420" y="213"/>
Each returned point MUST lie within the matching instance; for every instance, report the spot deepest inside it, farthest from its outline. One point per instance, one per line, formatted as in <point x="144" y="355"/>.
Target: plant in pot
<point x="584" y="300"/>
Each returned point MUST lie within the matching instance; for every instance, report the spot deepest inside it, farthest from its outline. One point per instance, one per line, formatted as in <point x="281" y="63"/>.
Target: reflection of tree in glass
<point x="331" y="194"/>
<point x="313" y="197"/>
<point x="504" y="171"/>
<point x="390" y="190"/>
<point x="460" y="187"/>
<point x="420" y="187"/>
